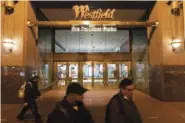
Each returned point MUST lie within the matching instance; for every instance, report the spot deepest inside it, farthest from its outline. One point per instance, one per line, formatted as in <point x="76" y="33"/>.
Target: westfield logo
<point x="83" y="12"/>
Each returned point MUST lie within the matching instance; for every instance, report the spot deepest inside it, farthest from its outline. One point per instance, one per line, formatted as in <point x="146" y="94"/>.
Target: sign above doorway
<point x="92" y="29"/>
<point x="83" y="12"/>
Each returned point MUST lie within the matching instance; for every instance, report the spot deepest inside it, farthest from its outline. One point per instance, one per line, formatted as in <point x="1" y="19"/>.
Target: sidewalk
<point x="152" y="110"/>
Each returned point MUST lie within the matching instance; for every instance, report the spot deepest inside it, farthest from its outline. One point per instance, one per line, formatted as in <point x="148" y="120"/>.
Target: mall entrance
<point x="95" y="51"/>
<point x="92" y="73"/>
<point x="93" y="59"/>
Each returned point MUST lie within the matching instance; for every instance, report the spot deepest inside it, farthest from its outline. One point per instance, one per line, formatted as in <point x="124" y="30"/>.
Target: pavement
<point x="152" y="110"/>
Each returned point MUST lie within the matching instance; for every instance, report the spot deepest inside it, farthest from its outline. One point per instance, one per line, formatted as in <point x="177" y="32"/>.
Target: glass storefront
<point x="61" y="73"/>
<point x="98" y="73"/>
<point x="73" y="71"/>
<point x="112" y="73"/>
<point x="92" y="73"/>
<point x="123" y="70"/>
<point x="46" y="74"/>
<point x="87" y="73"/>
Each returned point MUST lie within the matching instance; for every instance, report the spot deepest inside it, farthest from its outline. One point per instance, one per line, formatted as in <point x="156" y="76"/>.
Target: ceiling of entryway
<point x="67" y="41"/>
<point x="91" y="41"/>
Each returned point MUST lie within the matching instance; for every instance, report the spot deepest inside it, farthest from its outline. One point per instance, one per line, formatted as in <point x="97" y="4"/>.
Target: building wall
<point x="172" y="28"/>
<point x="12" y="63"/>
<point x="31" y="38"/>
<point x="13" y="27"/>
<point x="167" y="68"/>
<point x="169" y="27"/>
<point x="155" y="44"/>
<point x="18" y="65"/>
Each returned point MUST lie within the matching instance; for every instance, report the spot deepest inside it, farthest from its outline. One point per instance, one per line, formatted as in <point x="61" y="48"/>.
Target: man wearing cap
<point x="71" y="109"/>
<point x="121" y="108"/>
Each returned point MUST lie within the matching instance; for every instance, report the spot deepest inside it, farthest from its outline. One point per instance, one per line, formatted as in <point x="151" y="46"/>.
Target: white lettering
<point x="93" y="29"/>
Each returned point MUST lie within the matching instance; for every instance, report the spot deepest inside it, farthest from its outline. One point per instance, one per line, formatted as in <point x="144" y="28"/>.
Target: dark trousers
<point x="33" y="107"/>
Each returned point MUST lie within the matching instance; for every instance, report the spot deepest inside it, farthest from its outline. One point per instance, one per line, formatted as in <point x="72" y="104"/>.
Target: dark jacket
<point x="120" y="110"/>
<point x="31" y="92"/>
<point x="65" y="113"/>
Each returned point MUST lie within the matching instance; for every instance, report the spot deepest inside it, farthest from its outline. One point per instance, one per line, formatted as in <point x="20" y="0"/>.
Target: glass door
<point x="140" y="71"/>
<point x="45" y="71"/>
<point x="112" y="73"/>
<point x="73" y="71"/>
<point x="87" y="73"/>
<point x="61" y="73"/>
<point x="98" y="73"/>
<point x="124" y="69"/>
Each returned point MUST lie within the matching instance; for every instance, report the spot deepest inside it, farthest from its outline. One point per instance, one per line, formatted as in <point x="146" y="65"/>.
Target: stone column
<point x="167" y="67"/>
<point x="17" y="66"/>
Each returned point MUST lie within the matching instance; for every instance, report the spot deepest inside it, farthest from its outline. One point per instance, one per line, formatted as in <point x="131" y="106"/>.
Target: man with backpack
<point x="121" y="108"/>
<point x="31" y="93"/>
<point x="71" y="109"/>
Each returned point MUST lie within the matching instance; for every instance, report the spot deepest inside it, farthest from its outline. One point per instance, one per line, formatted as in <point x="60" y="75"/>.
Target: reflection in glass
<point x="87" y="70"/>
<point x="111" y="70"/>
<point x="140" y="67"/>
<point x="123" y="71"/>
<point x="61" y="71"/>
<point x="46" y="73"/>
<point x="73" y="70"/>
<point x="98" y="74"/>
<point x="98" y="71"/>
<point x="112" y="80"/>
<point x="87" y="73"/>
<point x="100" y="81"/>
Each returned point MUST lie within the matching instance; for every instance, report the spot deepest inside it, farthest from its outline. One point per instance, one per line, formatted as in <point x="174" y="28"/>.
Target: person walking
<point x="121" y="108"/>
<point x="31" y="94"/>
<point x="71" y="108"/>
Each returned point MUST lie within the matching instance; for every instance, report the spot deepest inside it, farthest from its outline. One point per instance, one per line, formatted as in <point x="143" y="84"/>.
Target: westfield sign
<point x="83" y="12"/>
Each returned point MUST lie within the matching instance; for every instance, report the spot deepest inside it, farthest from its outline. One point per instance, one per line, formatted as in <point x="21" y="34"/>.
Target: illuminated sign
<point x="93" y="29"/>
<point x="83" y="12"/>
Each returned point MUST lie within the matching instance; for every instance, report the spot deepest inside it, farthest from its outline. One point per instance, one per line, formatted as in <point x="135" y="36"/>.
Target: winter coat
<point x="65" y="113"/>
<point x="121" y="110"/>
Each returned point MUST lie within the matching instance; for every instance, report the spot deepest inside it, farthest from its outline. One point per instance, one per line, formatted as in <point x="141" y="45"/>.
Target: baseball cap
<point x="76" y="88"/>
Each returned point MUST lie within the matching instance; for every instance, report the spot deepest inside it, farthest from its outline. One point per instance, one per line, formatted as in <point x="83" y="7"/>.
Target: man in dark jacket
<point x="71" y="109"/>
<point x="121" y="108"/>
<point x="31" y="94"/>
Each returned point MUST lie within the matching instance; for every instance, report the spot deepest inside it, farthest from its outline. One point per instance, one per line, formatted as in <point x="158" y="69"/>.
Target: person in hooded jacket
<point x="31" y="94"/>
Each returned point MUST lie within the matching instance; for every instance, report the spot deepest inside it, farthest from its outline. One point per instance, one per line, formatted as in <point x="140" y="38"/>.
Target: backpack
<point x="21" y="91"/>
